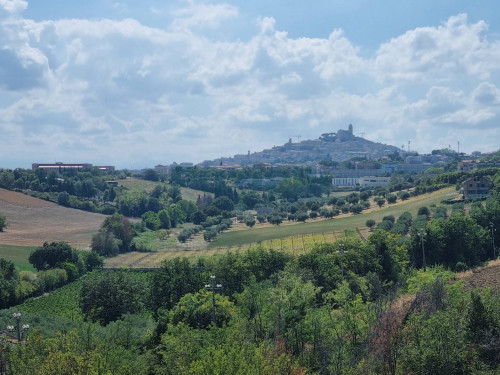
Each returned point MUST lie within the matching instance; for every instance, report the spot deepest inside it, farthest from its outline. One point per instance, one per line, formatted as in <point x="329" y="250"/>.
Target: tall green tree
<point x="171" y="281"/>
<point x="111" y="295"/>
<point x="52" y="255"/>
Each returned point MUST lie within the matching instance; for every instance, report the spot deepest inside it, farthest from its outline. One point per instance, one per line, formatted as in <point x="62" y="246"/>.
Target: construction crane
<point x="298" y="136"/>
<point x="362" y="135"/>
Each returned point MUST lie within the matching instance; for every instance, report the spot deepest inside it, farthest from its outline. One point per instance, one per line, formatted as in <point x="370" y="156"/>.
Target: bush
<point x="370" y="223"/>
<point x="391" y="198"/>
<point x="390" y="218"/>
<point x="53" y="278"/>
<point x="105" y="243"/>
<point x="424" y="211"/>
<point x="52" y="255"/>
<point x="209" y="234"/>
<point x="356" y="208"/>
<point x="71" y="271"/>
<point x="404" y="195"/>
<point x="302" y="216"/>
<point x="250" y="221"/>
<point x="385" y="225"/>
<point x="3" y="223"/>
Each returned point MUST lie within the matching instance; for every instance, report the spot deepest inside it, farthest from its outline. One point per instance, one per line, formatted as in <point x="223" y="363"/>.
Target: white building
<point x="345" y="181"/>
<point x="373" y="181"/>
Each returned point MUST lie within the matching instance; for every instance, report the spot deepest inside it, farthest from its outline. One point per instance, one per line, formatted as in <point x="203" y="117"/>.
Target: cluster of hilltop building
<point x="338" y="146"/>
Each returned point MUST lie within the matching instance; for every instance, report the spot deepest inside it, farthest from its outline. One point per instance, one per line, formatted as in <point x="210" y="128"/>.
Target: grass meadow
<point x="19" y="255"/>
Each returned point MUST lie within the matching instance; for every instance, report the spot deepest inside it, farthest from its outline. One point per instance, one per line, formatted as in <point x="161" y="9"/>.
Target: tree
<point x="404" y="195"/>
<point x="290" y="187"/>
<point x="391" y="198"/>
<point x="92" y="260"/>
<point x="380" y="201"/>
<point x="302" y="216"/>
<point x="356" y="209"/>
<point x="120" y="227"/>
<point x="250" y="221"/>
<point x="370" y="223"/>
<point x="195" y="309"/>
<point x="151" y="175"/>
<point x="107" y="296"/>
<point x="171" y="281"/>
<point x="63" y="199"/>
<point x="250" y="199"/>
<point x="275" y="219"/>
<point x="151" y="220"/>
<point x="198" y="217"/>
<point x="209" y="234"/>
<point x="8" y="283"/>
<point x="105" y="243"/>
<point x="224" y="203"/>
<point x="3" y="223"/>
<point x="424" y="211"/>
<point x="164" y="219"/>
<point x="52" y="255"/>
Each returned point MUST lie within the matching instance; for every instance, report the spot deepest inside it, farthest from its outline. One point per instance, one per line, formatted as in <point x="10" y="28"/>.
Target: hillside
<point x="339" y="146"/>
<point x="32" y="221"/>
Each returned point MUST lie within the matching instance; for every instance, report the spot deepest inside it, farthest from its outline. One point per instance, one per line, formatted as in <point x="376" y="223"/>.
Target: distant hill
<point x="339" y="146"/>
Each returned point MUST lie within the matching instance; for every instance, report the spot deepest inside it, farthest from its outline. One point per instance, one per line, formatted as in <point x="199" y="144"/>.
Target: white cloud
<point x="203" y="16"/>
<point x="439" y="53"/>
<point x="135" y="95"/>
<point x="13" y="6"/>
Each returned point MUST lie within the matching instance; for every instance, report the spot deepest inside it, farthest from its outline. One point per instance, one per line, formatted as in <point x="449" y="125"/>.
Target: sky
<point x="135" y="84"/>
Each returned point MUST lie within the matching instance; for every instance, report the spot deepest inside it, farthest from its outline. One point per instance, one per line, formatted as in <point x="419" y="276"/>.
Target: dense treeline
<point x="57" y="263"/>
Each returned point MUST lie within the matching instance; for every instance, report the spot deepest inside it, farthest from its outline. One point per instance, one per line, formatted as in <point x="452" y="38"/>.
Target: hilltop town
<point x="338" y="146"/>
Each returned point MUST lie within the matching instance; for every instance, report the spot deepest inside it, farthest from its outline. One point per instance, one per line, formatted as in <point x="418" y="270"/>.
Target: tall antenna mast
<point x="409" y="146"/>
<point x="459" y="147"/>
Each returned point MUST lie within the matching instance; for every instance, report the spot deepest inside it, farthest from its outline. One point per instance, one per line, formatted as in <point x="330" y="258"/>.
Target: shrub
<point x="302" y="216"/>
<point x="250" y="221"/>
<point x="391" y="198"/>
<point x="209" y="234"/>
<point x="370" y="223"/>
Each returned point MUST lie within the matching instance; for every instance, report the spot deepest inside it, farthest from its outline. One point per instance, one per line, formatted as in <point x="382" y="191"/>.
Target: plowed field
<point x="32" y="221"/>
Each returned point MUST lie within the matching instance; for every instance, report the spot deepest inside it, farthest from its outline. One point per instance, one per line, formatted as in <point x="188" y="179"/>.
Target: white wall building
<point x="373" y="181"/>
<point x="345" y="181"/>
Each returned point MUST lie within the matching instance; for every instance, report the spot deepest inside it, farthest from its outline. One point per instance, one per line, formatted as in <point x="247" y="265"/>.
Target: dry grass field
<point x="32" y="221"/>
<point x="148" y="186"/>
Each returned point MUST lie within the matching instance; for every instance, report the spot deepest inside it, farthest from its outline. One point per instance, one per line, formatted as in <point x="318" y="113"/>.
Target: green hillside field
<point x="342" y="223"/>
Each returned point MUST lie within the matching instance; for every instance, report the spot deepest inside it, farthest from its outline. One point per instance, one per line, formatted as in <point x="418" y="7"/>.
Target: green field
<point x="63" y="302"/>
<point x="19" y="255"/>
<point x="148" y="186"/>
<point x="339" y="224"/>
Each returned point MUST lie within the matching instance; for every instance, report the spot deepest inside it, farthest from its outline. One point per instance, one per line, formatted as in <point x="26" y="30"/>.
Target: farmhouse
<point x="162" y="169"/>
<point x="476" y="187"/>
